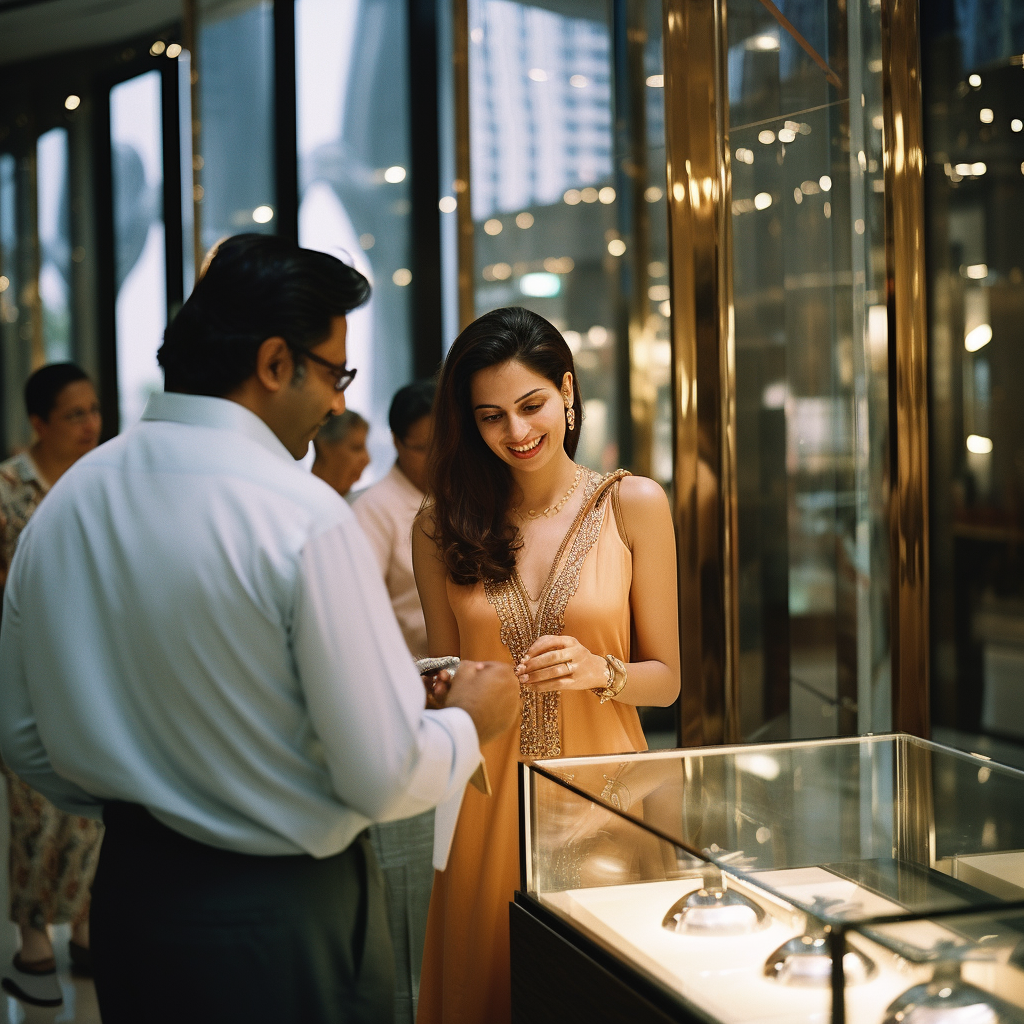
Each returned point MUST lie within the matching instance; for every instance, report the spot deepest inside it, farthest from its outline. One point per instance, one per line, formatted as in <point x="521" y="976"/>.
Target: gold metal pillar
<point x="908" y="363"/>
<point x="461" y="185"/>
<point x="703" y="366"/>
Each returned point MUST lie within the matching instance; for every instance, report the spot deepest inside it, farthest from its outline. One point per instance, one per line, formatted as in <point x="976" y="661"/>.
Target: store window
<point x="808" y="279"/>
<point x="555" y="215"/>
<point x="54" y="230"/>
<point x="974" y="135"/>
<point x="235" y="190"/>
<point x="353" y="146"/>
<point x="140" y="274"/>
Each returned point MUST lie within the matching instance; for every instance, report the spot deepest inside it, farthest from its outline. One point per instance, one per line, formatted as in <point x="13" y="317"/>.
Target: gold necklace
<point x="553" y="510"/>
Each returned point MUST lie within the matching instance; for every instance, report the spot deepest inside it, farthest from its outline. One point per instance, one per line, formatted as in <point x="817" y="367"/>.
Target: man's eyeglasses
<point x="343" y="376"/>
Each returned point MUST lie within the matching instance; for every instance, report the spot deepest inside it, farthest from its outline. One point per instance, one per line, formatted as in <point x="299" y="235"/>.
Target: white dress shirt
<point x="194" y="624"/>
<point x="385" y="512"/>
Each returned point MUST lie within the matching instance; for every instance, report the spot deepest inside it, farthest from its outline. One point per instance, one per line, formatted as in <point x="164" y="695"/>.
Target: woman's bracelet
<point x="616" y="679"/>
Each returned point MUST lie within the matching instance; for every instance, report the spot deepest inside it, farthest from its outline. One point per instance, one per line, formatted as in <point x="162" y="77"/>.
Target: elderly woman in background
<point x="341" y="454"/>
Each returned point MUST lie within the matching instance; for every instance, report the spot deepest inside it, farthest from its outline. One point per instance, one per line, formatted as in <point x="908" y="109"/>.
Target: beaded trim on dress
<point x="540" y="733"/>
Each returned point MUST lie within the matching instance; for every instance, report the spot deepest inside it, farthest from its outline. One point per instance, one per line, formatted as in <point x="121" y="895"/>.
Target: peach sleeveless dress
<point x="465" y="977"/>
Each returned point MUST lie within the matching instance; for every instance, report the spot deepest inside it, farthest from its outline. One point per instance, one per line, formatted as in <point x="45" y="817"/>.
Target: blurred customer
<point x="386" y="512"/>
<point x="341" y="454"/>
<point x="197" y="642"/>
<point x="52" y="854"/>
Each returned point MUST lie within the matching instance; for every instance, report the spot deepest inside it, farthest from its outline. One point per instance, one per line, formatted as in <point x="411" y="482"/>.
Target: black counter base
<point x="561" y="977"/>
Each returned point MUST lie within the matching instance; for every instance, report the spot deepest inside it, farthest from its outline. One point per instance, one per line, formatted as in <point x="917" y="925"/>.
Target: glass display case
<point x="877" y="879"/>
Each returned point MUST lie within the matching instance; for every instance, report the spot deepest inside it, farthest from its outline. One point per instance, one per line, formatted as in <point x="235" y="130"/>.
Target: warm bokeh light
<point x="157" y="48"/>
<point x="263" y="214"/>
<point x="979" y="445"/>
<point x="616" y="246"/>
<point x="493" y="226"/>
<point x="393" y="175"/>
<point x="524" y="220"/>
<point x="174" y="50"/>
<point x="978" y="338"/>
<point x="402" y="276"/>
<point x="447" y="204"/>
<point x="656" y="81"/>
<point x="73" y="102"/>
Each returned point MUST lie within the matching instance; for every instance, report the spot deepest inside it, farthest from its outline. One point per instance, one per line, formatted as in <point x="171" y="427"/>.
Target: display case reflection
<point x="808" y="279"/>
<point x="735" y="877"/>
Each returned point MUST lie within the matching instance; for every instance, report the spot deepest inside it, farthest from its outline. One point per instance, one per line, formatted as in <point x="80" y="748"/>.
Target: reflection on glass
<point x="811" y="369"/>
<point x="543" y="188"/>
<point x="54" y="226"/>
<point x="188" y="227"/>
<point x="14" y="425"/>
<point x="353" y="140"/>
<point x="140" y="277"/>
<point x="236" y="57"/>
<point x="974" y="198"/>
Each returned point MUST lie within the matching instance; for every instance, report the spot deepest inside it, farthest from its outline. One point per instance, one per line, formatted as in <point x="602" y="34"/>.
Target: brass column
<point x="908" y="363"/>
<point x="703" y="366"/>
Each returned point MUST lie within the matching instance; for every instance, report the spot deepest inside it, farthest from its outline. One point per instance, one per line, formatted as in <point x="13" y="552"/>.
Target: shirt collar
<point x="218" y="413"/>
<point x="28" y="471"/>
<point x="405" y="483"/>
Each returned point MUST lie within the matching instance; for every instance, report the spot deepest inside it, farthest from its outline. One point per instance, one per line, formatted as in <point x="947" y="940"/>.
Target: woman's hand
<point x="561" y="663"/>
<point x="437" y="685"/>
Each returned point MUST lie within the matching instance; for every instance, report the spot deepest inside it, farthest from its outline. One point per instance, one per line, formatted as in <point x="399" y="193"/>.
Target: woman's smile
<point x="528" y="449"/>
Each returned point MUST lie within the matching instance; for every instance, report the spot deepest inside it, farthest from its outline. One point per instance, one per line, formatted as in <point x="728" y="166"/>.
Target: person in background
<point x="386" y="512"/>
<point x="52" y="854"/>
<point x="341" y="454"/>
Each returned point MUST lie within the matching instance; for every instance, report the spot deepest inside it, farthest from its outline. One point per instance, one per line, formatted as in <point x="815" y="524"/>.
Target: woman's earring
<point x="570" y="417"/>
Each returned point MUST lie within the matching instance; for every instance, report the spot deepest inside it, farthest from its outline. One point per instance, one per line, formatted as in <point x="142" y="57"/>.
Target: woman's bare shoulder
<point x="641" y="495"/>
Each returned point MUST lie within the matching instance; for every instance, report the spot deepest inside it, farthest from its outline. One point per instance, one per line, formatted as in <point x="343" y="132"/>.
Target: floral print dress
<point x="53" y="855"/>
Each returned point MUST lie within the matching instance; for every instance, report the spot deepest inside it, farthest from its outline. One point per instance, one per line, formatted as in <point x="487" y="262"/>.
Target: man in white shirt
<point x="197" y="643"/>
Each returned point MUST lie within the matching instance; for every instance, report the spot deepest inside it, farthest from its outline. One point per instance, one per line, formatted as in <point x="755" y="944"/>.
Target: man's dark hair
<point x="410" y="404"/>
<point x="46" y="384"/>
<point x="255" y="287"/>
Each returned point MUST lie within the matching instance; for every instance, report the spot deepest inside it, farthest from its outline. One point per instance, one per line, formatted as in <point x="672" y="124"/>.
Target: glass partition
<point x="568" y="171"/>
<point x="140" y="258"/>
<point x="811" y="363"/>
<point x="236" y="115"/>
<point x="54" y="230"/>
<point x="353" y="140"/>
<point x="974" y="133"/>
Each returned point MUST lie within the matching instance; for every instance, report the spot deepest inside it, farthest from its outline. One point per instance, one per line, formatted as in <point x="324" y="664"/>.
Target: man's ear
<point x="39" y="425"/>
<point x="274" y="364"/>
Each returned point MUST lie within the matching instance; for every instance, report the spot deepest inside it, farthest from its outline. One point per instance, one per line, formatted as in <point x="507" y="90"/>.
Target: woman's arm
<point x="562" y="663"/>
<point x="431" y="578"/>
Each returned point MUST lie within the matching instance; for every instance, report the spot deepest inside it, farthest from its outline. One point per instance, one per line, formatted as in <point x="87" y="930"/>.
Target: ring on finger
<point x="568" y="668"/>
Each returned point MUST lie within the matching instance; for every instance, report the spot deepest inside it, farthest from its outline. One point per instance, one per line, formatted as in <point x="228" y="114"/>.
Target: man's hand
<point x="437" y="685"/>
<point x="488" y="692"/>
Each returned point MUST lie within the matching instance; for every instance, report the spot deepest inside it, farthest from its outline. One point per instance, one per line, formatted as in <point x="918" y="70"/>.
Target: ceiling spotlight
<point x="157" y="48"/>
<point x="974" y="81"/>
<point x="393" y="175"/>
<point x="263" y="214"/>
<point x="174" y="50"/>
<point x="978" y="338"/>
<point x="73" y="102"/>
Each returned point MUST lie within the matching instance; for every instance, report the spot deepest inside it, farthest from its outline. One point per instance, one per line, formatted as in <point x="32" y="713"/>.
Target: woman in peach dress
<point x="525" y="556"/>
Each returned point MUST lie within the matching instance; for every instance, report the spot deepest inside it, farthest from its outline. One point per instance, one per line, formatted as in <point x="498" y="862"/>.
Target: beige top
<point x="385" y="512"/>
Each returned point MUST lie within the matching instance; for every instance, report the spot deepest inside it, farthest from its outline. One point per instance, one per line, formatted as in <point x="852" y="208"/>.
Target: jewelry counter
<point x="877" y="880"/>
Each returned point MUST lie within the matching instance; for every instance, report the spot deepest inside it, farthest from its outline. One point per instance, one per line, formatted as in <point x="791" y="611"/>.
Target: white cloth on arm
<point x="194" y="624"/>
<point x="386" y="512"/>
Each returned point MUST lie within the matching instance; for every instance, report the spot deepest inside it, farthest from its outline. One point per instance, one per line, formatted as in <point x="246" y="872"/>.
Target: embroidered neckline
<point x="521" y="626"/>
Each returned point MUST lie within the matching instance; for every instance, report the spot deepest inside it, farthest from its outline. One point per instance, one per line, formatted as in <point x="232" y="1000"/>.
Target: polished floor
<point x="79" y="995"/>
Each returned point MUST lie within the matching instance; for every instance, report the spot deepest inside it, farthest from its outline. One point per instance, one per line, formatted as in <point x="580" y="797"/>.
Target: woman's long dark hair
<point x="471" y="487"/>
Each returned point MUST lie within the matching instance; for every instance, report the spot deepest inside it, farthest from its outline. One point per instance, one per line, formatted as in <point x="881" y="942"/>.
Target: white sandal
<point x="32" y="985"/>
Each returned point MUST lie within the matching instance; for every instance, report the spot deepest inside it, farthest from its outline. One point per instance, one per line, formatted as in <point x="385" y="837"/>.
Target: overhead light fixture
<point x="540" y="285"/>
<point x="979" y="445"/>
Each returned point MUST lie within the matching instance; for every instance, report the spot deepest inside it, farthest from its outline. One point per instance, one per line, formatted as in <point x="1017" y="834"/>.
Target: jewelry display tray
<point x="726" y="878"/>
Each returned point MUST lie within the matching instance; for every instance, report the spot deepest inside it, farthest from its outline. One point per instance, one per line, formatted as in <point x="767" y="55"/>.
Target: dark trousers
<point x="183" y="932"/>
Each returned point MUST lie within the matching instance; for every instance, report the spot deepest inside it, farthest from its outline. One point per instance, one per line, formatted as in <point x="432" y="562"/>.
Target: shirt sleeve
<point x="20" y="743"/>
<point x="388" y="757"/>
<point x="377" y="528"/>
